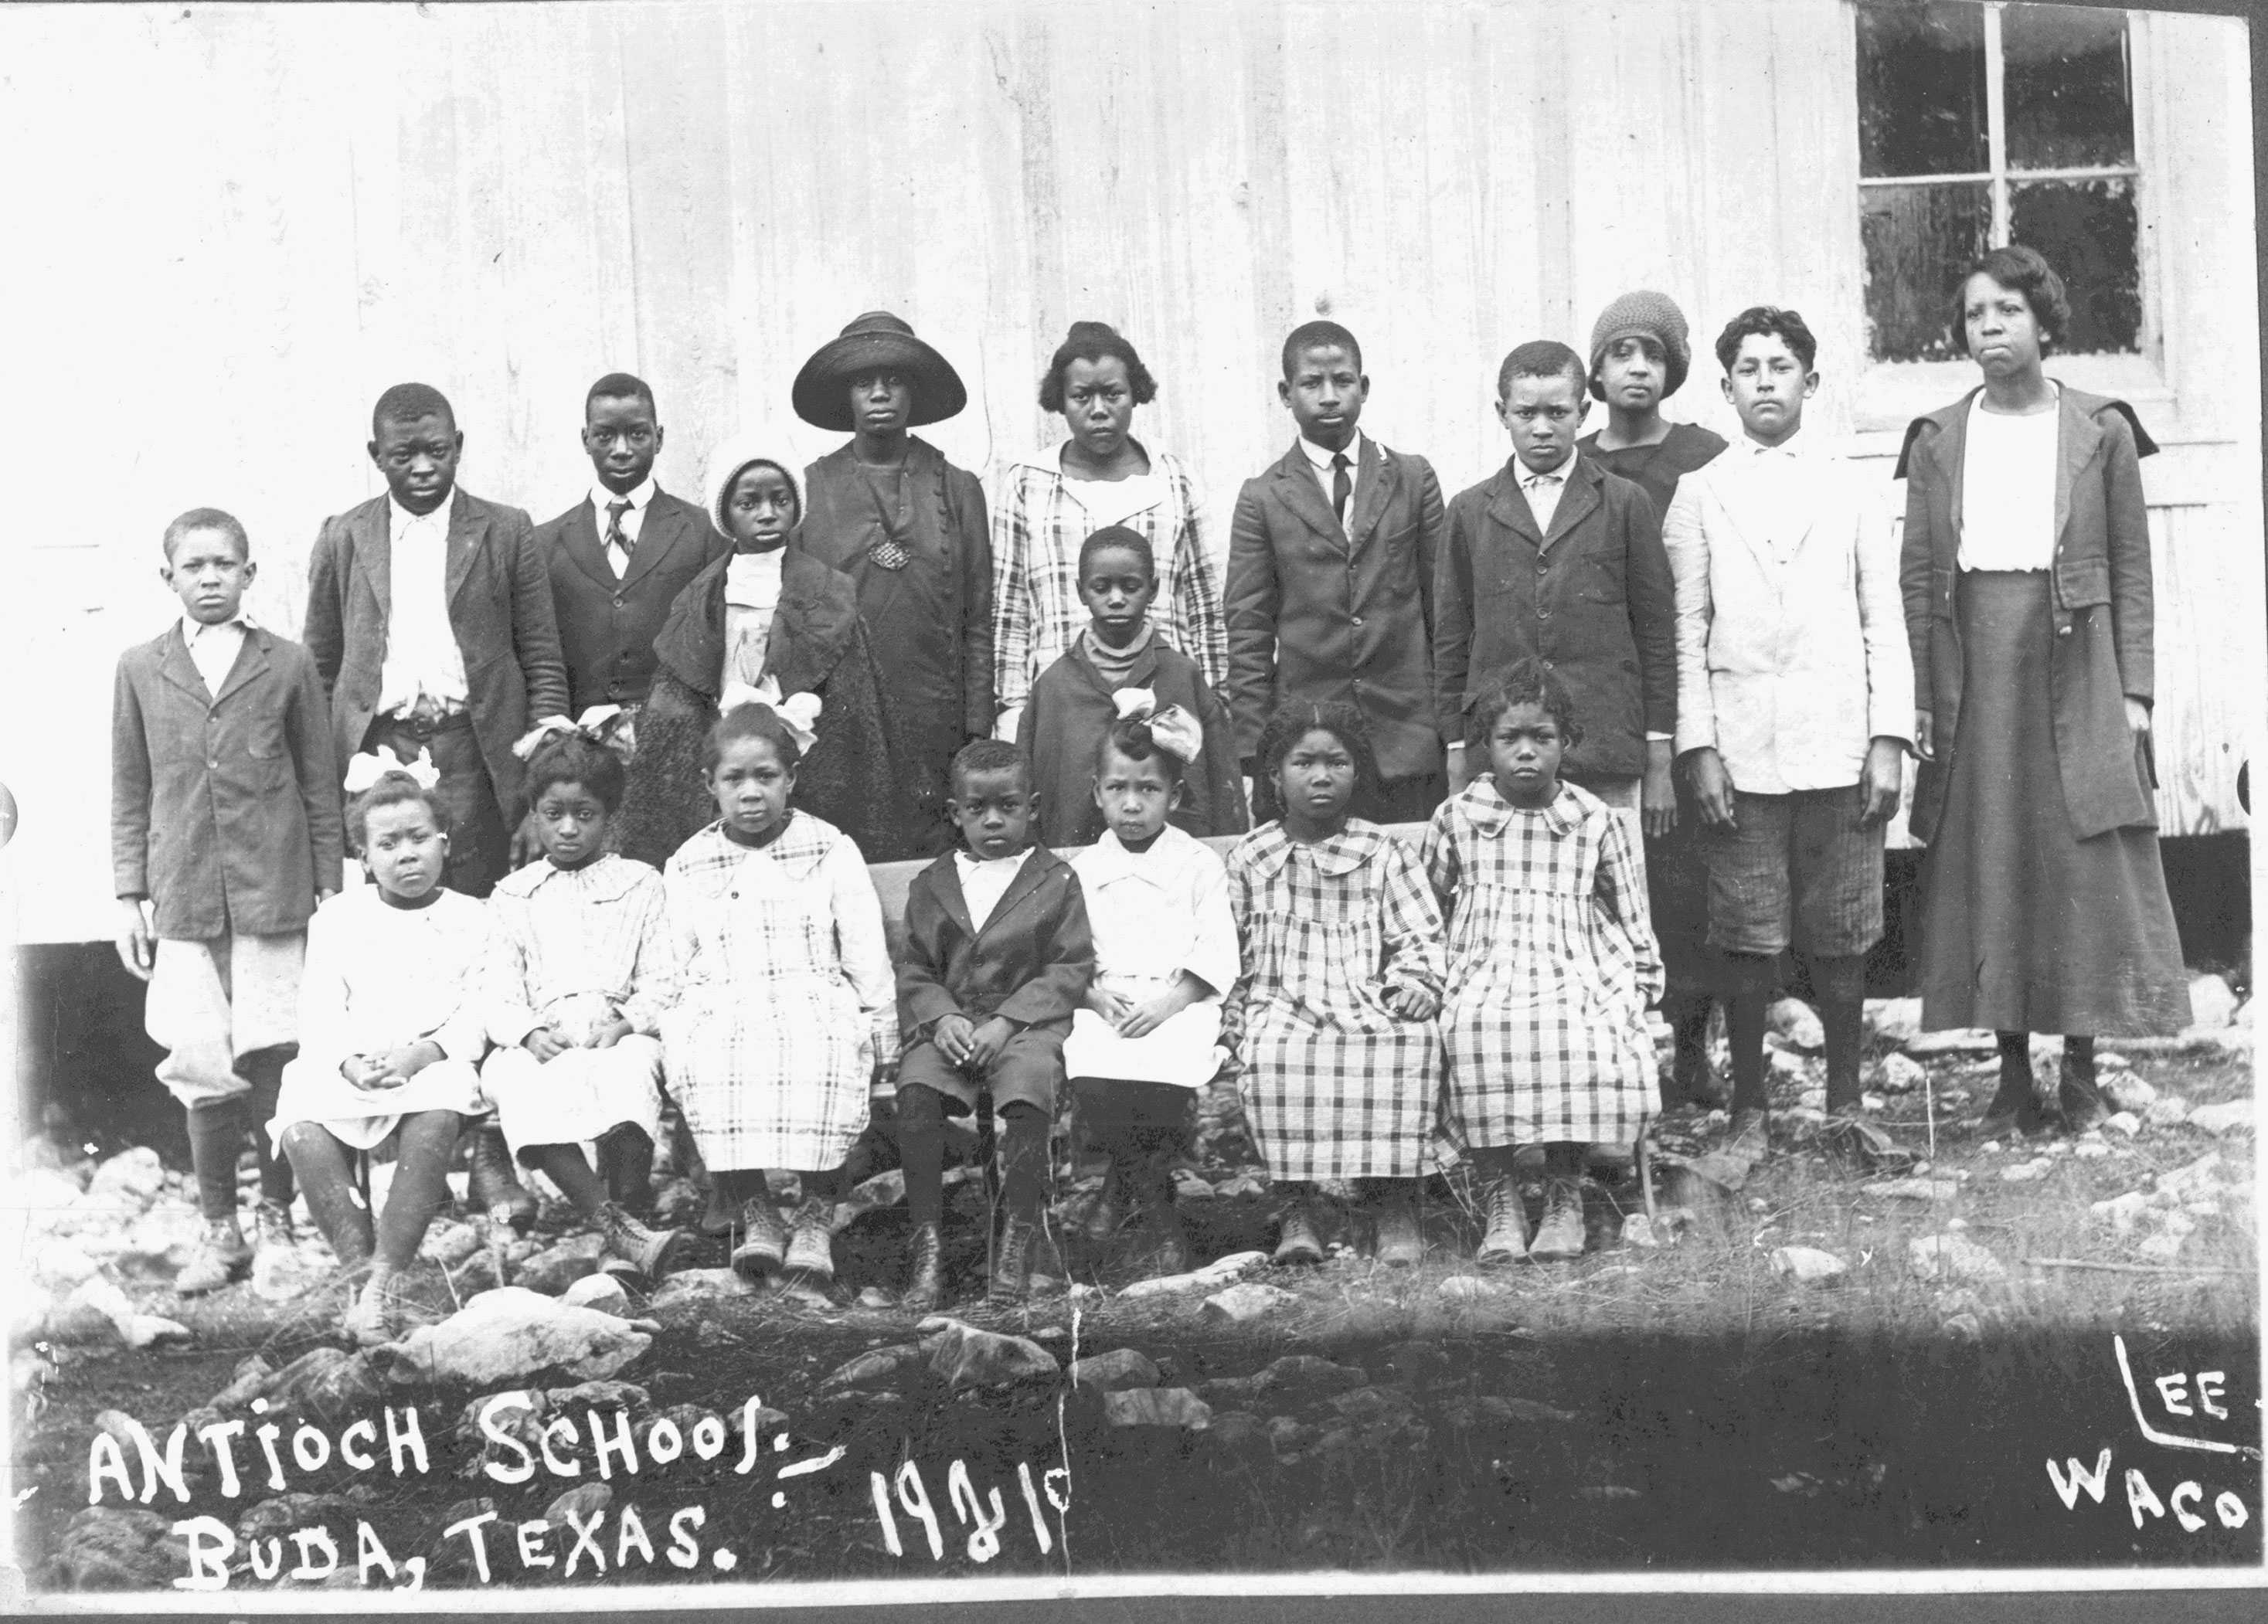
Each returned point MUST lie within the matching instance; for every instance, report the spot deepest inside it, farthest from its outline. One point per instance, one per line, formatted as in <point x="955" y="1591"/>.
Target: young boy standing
<point x="1554" y="559"/>
<point x="224" y="834"/>
<point x="618" y="558"/>
<point x="1793" y="677"/>
<point x="997" y="955"/>
<point x="1330" y="581"/>
<point x="429" y="617"/>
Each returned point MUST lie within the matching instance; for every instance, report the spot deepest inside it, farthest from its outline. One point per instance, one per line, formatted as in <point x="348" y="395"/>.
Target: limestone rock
<point x="59" y="1265"/>
<point x="1236" y="1429"/>
<point x="1638" y="1230"/>
<point x="1795" y="1023"/>
<point x="283" y="1273"/>
<point x="602" y="1292"/>
<point x="509" y="1332"/>
<point x="2123" y="1123"/>
<point x="2027" y="1172"/>
<point x="1157" y="1407"/>
<point x="1241" y="1303"/>
<point x="962" y="1355"/>
<point x="1468" y="1288"/>
<point x="2190" y="1180"/>
<point x="874" y="1368"/>
<point x="2126" y="1092"/>
<point x="1959" y="1040"/>
<point x="114" y="1548"/>
<point x="2233" y="1116"/>
<point x="1220" y="1272"/>
<point x="555" y="1269"/>
<point x="884" y="1189"/>
<point x="160" y="1242"/>
<point x="581" y="1501"/>
<point x="1899" y="1074"/>
<point x="699" y="1285"/>
<point x="1808" y="1266"/>
<point x="1893" y="1020"/>
<point x="253" y="1375"/>
<point x="1951" y="1258"/>
<point x="1911" y="1189"/>
<point x="324" y="1382"/>
<point x="2212" y="1005"/>
<point x="283" y="1513"/>
<point x="132" y="1179"/>
<point x="2167" y="1111"/>
<point x="1115" y="1371"/>
<point x="449" y="1244"/>
<point x="1963" y="1328"/>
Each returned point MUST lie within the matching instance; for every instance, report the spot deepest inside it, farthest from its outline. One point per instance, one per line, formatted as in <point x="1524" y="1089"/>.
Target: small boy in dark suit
<point x="224" y="834"/>
<point x="998" y="957"/>
<point x="1331" y="581"/>
<point x="619" y="557"/>
<point x="429" y="617"/>
<point x="1552" y="558"/>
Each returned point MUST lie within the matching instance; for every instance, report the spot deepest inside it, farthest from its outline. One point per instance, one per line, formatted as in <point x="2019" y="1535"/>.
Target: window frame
<point x="1891" y="393"/>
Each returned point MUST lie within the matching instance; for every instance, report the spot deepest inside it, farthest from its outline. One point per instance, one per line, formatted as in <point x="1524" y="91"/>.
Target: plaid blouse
<point x="1037" y="528"/>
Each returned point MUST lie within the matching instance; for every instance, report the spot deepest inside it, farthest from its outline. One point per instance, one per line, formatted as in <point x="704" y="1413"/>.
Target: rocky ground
<point x="1819" y="1368"/>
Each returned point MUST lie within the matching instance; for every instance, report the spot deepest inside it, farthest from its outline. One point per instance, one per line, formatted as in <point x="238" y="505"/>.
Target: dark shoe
<point x="222" y="1256"/>
<point x="925" y="1292"/>
<point x="1692" y="1080"/>
<point x="1506" y="1240"/>
<point x="717" y="1218"/>
<point x="763" y="1239"/>
<point x="1751" y="1135"/>
<point x="627" y="1156"/>
<point x="272" y="1227"/>
<point x="495" y="1188"/>
<point x="2084" y="1107"/>
<point x="811" y="1248"/>
<point x="1560" y="1238"/>
<point x="1401" y="1242"/>
<point x="2015" y="1111"/>
<point x="652" y="1252"/>
<point x="1011" y="1266"/>
<point x="1296" y="1240"/>
<point x="375" y="1315"/>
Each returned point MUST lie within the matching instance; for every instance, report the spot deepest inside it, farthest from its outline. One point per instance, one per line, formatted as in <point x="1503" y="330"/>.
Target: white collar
<point x="192" y="629"/>
<point x="601" y="497"/>
<point x="1797" y="445"/>
<point x="1322" y="459"/>
<point x="1529" y="477"/>
<point x="970" y="863"/>
<point x="403" y="519"/>
<point x="1108" y="861"/>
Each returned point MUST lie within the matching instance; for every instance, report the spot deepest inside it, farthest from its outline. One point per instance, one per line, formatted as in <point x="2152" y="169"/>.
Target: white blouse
<point x="752" y="593"/>
<point x="379" y="976"/>
<point x="1158" y="912"/>
<point x="2007" y="489"/>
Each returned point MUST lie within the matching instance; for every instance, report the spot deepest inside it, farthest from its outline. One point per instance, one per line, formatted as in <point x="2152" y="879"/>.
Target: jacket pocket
<point x="2083" y="582"/>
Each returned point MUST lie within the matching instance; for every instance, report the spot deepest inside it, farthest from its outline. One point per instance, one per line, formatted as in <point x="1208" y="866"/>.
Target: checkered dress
<point x="1551" y="965"/>
<point x="1038" y="525"/>
<point x="785" y="1000"/>
<point x="1336" y="1086"/>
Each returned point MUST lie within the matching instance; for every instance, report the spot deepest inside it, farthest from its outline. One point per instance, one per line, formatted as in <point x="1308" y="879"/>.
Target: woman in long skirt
<point x="2026" y="575"/>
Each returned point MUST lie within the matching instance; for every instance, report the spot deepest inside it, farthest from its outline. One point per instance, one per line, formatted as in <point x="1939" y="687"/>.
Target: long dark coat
<point x="2101" y="597"/>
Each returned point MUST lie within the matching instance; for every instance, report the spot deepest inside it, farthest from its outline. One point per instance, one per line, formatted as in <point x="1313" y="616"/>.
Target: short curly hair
<point x="1091" y="341"/>
<point x="1292" y="723"/>
<point x="1527" y="683"/>
<point x="576" y="760"/>
<point x="392" y="788"/>
<point x="2021" y="270"/>
<point x="750" y="721"/>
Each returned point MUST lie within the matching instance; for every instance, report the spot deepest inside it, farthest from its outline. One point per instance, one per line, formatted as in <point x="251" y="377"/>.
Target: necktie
<point x="1342" y="487"/>
<point x="618" y="545"/>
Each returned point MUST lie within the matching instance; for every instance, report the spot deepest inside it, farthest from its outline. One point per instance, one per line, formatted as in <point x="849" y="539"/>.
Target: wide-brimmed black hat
<point x="876" y="341"/>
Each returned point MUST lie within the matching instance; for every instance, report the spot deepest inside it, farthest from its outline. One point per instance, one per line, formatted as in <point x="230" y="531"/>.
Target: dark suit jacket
<point x="606" y="626"/>
<point x="1593" y="600"/>
<point x="1317" y="615"/>
<point x="223" y="809"/>
<point x="1031" y="962"/>
<point x="499" y="606"/>
<point x="2101" y="591"/>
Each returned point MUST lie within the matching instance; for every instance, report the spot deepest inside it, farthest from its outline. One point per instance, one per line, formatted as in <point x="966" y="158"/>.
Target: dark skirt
<point x="2025" y="927"/>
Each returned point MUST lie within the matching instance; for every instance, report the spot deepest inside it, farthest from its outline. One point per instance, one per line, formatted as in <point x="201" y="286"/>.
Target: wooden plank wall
<point x="270" y="213"/>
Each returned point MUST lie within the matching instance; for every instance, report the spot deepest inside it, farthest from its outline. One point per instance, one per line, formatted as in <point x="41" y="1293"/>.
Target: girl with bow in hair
<point x="1122" y="666"/>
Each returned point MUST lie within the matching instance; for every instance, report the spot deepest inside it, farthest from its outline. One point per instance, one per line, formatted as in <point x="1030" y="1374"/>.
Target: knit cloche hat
<point x="876" y="341"/>
<point x="1643" y="314"/>
<point x="733" y="455"/>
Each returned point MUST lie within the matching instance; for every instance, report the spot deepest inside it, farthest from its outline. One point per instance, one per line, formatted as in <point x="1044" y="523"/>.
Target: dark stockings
<point x="1688" y="1015"/>
<point x="1744" y="1027"/>
<point x="741" y="1185"/>
<point x="325" y="1166"/>
<point x="1840" y="983"/>
<point x="566" y="1166"/>
<point x="216" y="1131"/>
<point x="920" y="1143"/>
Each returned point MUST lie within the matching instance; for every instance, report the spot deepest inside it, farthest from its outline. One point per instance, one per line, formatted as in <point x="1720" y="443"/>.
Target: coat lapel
<point x="950" y="894"/>
<point x="251" y="660"/>
<point x="1295" y="482"/>
<point x="1028" y="879"/>
<point x="1374" y="481"/>
<point x="2079" y="437"/>
<point x="466" y="534"/>
<point x="1576" y="502"/>
<point x="1509" y="505"/>
<point x="373" y="538"/>
<point x="580" y="538"/>
<point x="178" y="668"/>
<point x="656" y="535"/>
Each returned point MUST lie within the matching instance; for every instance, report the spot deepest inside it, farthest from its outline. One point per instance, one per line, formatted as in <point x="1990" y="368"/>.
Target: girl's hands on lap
<point x="370" y="1072"/>
<point x="1139" y="1020"/>
<point x="545" y="1044"/>
<point x="407" y="1062"/>
<point x="613" y="1033"/>
<point x="1109" y="1005"/>
<point x="1412" y="1003"/>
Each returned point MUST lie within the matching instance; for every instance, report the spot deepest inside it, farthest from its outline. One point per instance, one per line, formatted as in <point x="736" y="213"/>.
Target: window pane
<point x="2085" y="229"/>
<point x="1919" y="240"/>
<point x="1921" y="90"/>
<point x="2068" y="100"/>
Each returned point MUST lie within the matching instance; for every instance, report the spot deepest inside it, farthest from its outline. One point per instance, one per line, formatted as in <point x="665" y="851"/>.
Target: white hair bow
<point x="1176" y="731"/>
<point x="798" y="713"/>
<point x="601" y="724"/>
<point x="372" y="765"/>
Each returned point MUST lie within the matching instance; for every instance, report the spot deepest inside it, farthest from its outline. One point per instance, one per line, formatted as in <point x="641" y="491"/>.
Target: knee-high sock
<point x="1841" y="984"/>
<point x="921" y="1149"/>
<point x="1024" y="1159"/>
<point x="326" y="1171"/>
<point x="263" y="1069"/>
<point x="567" y="1167"/>
<point x="420" y="1184"/>
<point x="1744" y="1026"/>
<point x="216" y="1136"/>
<point x="740" y="1185"/>
<point x="2016" y="1062"/>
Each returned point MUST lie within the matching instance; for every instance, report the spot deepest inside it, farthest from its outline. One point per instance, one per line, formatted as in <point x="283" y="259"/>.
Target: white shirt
<point x="2007" y="491"/>
<point x="985" y="880"/>
<point x="1112" y="502"/>
<point x="421" y="657"/>
<point x="1159" y="912"/>
<point x="213" y="649"/>
<point x="1774" y="487"/>
<point x="633" y="519"/>
<point x="752" y="593"/>
<point x="1320" y="460"/>
<point x="1543" y="490"/>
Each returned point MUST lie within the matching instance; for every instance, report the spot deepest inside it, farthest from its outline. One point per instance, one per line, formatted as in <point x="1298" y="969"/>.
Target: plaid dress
<point x="1551" y="965"/>
<point x="1038" y="524"/>
<point x="1336" y="1086"/>
<point x="784" y="1000"/>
